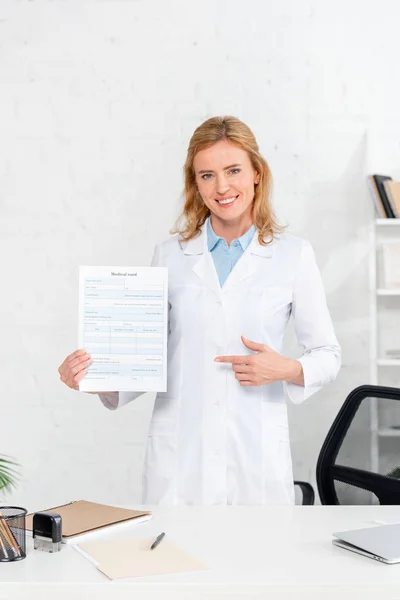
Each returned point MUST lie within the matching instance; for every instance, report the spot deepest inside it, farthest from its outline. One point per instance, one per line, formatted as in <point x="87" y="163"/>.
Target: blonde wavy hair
<point x="195" y="212"/>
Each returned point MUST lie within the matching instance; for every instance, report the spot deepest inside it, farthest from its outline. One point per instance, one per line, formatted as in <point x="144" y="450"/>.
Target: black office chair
<point x="307" y="492"/>
<point x="359" y="462"/>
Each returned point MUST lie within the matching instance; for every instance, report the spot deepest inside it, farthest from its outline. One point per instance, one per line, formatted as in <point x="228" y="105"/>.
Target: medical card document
<point x="123" y="325"/>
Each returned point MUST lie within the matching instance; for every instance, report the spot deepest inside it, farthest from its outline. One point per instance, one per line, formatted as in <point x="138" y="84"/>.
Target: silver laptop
<point x="381" y="543"/>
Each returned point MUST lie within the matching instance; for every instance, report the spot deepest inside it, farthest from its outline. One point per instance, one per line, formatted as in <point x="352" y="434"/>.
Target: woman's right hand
<point x="74" y="368"/>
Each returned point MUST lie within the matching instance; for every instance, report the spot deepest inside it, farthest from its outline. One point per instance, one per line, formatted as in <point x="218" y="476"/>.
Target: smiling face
<point x="225" y="179"/>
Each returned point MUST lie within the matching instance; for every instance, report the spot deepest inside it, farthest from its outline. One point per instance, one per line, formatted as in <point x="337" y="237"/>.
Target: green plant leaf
<point x="8" y="474"/>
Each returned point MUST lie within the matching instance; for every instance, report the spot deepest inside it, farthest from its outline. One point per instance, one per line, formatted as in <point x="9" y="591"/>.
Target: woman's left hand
<point x="264" y="367"/>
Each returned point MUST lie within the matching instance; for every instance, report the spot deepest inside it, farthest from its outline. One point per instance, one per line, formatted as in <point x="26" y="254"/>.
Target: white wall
<point x="97" y="104"/>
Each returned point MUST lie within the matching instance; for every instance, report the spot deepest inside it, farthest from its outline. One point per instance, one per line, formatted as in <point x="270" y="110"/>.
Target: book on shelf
<point x="391" y="264"/>
<point x="392" y="189"/>
<point x="382" y="203"/>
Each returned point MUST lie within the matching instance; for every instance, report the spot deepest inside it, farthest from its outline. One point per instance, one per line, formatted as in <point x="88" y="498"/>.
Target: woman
<point x="219" y="435"/>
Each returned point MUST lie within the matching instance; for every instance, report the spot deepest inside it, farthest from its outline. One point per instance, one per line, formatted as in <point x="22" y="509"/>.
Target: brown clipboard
<point x="82" y="516"/>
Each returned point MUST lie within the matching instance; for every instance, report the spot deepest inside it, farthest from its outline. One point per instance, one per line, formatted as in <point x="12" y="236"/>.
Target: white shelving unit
<point x="381" y="230"/>
<point x="383" y="292"/>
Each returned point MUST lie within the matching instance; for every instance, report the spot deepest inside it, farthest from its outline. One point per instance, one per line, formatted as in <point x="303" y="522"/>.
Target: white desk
<point x="253" y="552"/>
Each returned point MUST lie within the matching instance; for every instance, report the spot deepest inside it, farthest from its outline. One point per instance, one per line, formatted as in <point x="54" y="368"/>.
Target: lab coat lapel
<point x="204" y="267"/>
<point x="248" y="263"/>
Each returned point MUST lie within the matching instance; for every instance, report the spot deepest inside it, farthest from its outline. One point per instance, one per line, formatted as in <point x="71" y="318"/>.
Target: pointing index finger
<point x="235" y="360"/>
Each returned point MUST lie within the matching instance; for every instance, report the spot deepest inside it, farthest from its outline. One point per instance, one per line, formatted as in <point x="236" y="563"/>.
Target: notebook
<point x="81" y="518"/>
<point x="118" y="559"/>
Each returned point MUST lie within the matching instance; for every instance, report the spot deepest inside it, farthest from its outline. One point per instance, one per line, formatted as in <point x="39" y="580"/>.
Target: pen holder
<point x="12" y="533"/>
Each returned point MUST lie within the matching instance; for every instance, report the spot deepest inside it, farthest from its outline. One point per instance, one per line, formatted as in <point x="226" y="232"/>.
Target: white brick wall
<point x="97" y="104"/>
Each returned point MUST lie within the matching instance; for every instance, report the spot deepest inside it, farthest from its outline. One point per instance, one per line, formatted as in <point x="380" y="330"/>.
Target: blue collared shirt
<point x="225" y="257"/>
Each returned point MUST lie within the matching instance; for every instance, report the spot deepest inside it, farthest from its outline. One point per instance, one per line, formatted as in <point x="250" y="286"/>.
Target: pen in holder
<point x="12" y="533"/>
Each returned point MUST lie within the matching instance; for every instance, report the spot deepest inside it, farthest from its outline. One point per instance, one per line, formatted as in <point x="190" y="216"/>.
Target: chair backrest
<point x="359" y="462"/>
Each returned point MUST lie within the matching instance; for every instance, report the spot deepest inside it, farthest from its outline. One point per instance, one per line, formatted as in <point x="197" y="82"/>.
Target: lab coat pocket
<point x="264" y="312"/>
<point x="275" y="416"/>
<point x="277" y="302"/>
<point x="159" y="476"/>
<point x="161" y="427"/>
<point x="186" y="301"/>
<point x="281" y="433"/>
<point x="277" y="457"/>
<point x="285" y="455"/>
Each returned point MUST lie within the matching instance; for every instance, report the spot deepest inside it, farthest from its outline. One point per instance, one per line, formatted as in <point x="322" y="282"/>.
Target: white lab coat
<point x="212" y="441"/>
